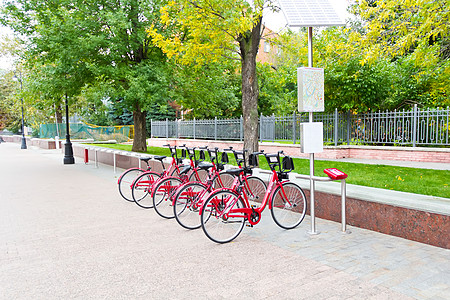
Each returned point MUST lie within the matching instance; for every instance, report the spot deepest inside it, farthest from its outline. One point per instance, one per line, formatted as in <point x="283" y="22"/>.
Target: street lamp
<point x="24" y="141"/>
<point x="68" y="151"/>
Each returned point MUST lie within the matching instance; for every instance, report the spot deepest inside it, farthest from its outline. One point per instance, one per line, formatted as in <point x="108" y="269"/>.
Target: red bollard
<point x="86" y="156"/>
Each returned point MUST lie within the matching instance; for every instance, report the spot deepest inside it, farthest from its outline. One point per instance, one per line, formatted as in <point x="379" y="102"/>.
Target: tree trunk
<point x="140" y="130"/>
<point x="59" y="114"/>
<point x="250" y="92"/>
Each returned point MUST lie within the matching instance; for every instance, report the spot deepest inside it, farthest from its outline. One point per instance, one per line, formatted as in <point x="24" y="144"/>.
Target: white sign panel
<point x="310" y="89"/>
<point x="311" y="137"/>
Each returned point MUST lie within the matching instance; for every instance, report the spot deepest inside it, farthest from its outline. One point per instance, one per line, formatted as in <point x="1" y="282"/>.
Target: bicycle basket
<point x="253" y="160"/>
<point x="202" y="155"/>
<point x="288" y="164"/>
<point x="224" y="158"/>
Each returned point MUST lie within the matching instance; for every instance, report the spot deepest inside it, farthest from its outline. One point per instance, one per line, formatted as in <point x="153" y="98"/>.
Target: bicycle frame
<point x="248" y="210"/>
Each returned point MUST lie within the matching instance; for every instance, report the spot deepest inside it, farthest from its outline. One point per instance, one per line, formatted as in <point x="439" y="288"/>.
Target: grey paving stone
<point x="65" y="233"/>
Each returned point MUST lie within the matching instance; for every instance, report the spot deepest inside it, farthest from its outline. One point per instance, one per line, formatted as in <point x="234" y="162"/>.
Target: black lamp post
<point x="68" y="151"/>
<point x="24" y="140"/>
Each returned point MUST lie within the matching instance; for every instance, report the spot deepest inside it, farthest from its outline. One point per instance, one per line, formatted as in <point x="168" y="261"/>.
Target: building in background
<point x="267" y="51"/>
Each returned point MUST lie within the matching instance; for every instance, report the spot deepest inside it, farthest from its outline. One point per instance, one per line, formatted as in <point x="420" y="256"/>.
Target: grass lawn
<point x="418" y="181"/>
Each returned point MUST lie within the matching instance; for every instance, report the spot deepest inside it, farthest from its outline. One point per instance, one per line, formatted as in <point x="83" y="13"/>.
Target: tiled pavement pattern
<point x="66" y="233"/>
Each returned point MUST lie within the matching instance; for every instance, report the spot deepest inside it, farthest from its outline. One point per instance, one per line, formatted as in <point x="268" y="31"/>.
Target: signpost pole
<point x="312" y="186"/>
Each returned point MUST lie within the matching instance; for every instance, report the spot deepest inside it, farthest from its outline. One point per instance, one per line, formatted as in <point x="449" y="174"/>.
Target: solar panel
<point x="310" y="13"/>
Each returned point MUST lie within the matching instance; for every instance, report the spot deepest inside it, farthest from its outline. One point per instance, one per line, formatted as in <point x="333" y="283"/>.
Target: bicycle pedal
<point x="249" y="225"/>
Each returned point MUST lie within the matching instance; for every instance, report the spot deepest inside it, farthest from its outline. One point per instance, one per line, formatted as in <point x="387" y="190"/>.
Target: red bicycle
<point x="142" y="185"/>
<point x="226" y="210"/>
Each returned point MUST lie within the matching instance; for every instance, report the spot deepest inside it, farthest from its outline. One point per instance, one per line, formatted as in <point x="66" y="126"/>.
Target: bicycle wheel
<point x="202" y="175"/>
<point x="223" y="180"/>
<point x="288" y="205"/>
<point x="187" y="204"/>
<point x="255" y="188"/>
<point x="141" y="189"/>
<point x="125" y="182"/>
<point x="220" y="222"/>
<point x="163" y="196"/>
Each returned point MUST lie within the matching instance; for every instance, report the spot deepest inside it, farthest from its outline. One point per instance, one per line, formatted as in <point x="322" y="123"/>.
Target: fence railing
<point x="407" y="127"/>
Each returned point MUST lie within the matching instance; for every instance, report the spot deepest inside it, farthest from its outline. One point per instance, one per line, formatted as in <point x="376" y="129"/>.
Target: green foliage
<point x="7" y="112"/>
<point x="161" y="112"/>
<point x="203" y="31"/>
<point x="208" y="91"/>
<point x="11" y="96"/>
<point x="415" y="32"/>
<point x="278" y="89"/>
<point x="351" y="86"/>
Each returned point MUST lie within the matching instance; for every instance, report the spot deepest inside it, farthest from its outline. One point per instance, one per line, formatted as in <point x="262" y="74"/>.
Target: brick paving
<point x="65" y="233"/>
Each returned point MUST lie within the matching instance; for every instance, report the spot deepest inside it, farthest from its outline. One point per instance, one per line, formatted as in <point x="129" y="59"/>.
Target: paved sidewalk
<point x="66" y="233"/>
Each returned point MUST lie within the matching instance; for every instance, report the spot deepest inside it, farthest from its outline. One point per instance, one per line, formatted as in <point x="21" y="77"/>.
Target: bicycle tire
<point x="202" y="174"/>
<point x="223" y="180"/>
<point x="142" y="188"/>
<point x="163" y="196"/>
<point x="125" y="182"/>
<point x="187" y="204"/>
<point x="285" y="215"/>
<point x="255" y="188"/>
<point x="219" y="227"/>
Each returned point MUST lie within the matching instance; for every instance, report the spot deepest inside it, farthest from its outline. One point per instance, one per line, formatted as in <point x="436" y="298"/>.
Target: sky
<point x="275" y="22"/>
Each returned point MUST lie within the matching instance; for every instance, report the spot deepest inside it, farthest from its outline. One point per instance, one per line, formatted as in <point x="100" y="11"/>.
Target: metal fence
<point x="407" y="127"/>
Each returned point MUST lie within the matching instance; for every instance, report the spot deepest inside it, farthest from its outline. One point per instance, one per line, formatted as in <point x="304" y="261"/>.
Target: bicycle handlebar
<point x="259" y="152"/>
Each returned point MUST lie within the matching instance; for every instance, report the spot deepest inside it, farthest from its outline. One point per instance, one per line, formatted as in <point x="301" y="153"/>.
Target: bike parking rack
<point x="312" y="214"/>
<point x="114" y="153"/>
<point x="96" y="149"/>
<point x="343" y="199"/>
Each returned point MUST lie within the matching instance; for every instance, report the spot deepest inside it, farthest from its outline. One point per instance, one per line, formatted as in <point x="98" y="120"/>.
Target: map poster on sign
<point x="310" y="89"/>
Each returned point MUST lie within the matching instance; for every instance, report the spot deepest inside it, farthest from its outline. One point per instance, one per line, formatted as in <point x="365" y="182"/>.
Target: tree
<point x="98" y="45"/>
<point x="202" y="31"/>
<point x="419" y="29"/>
